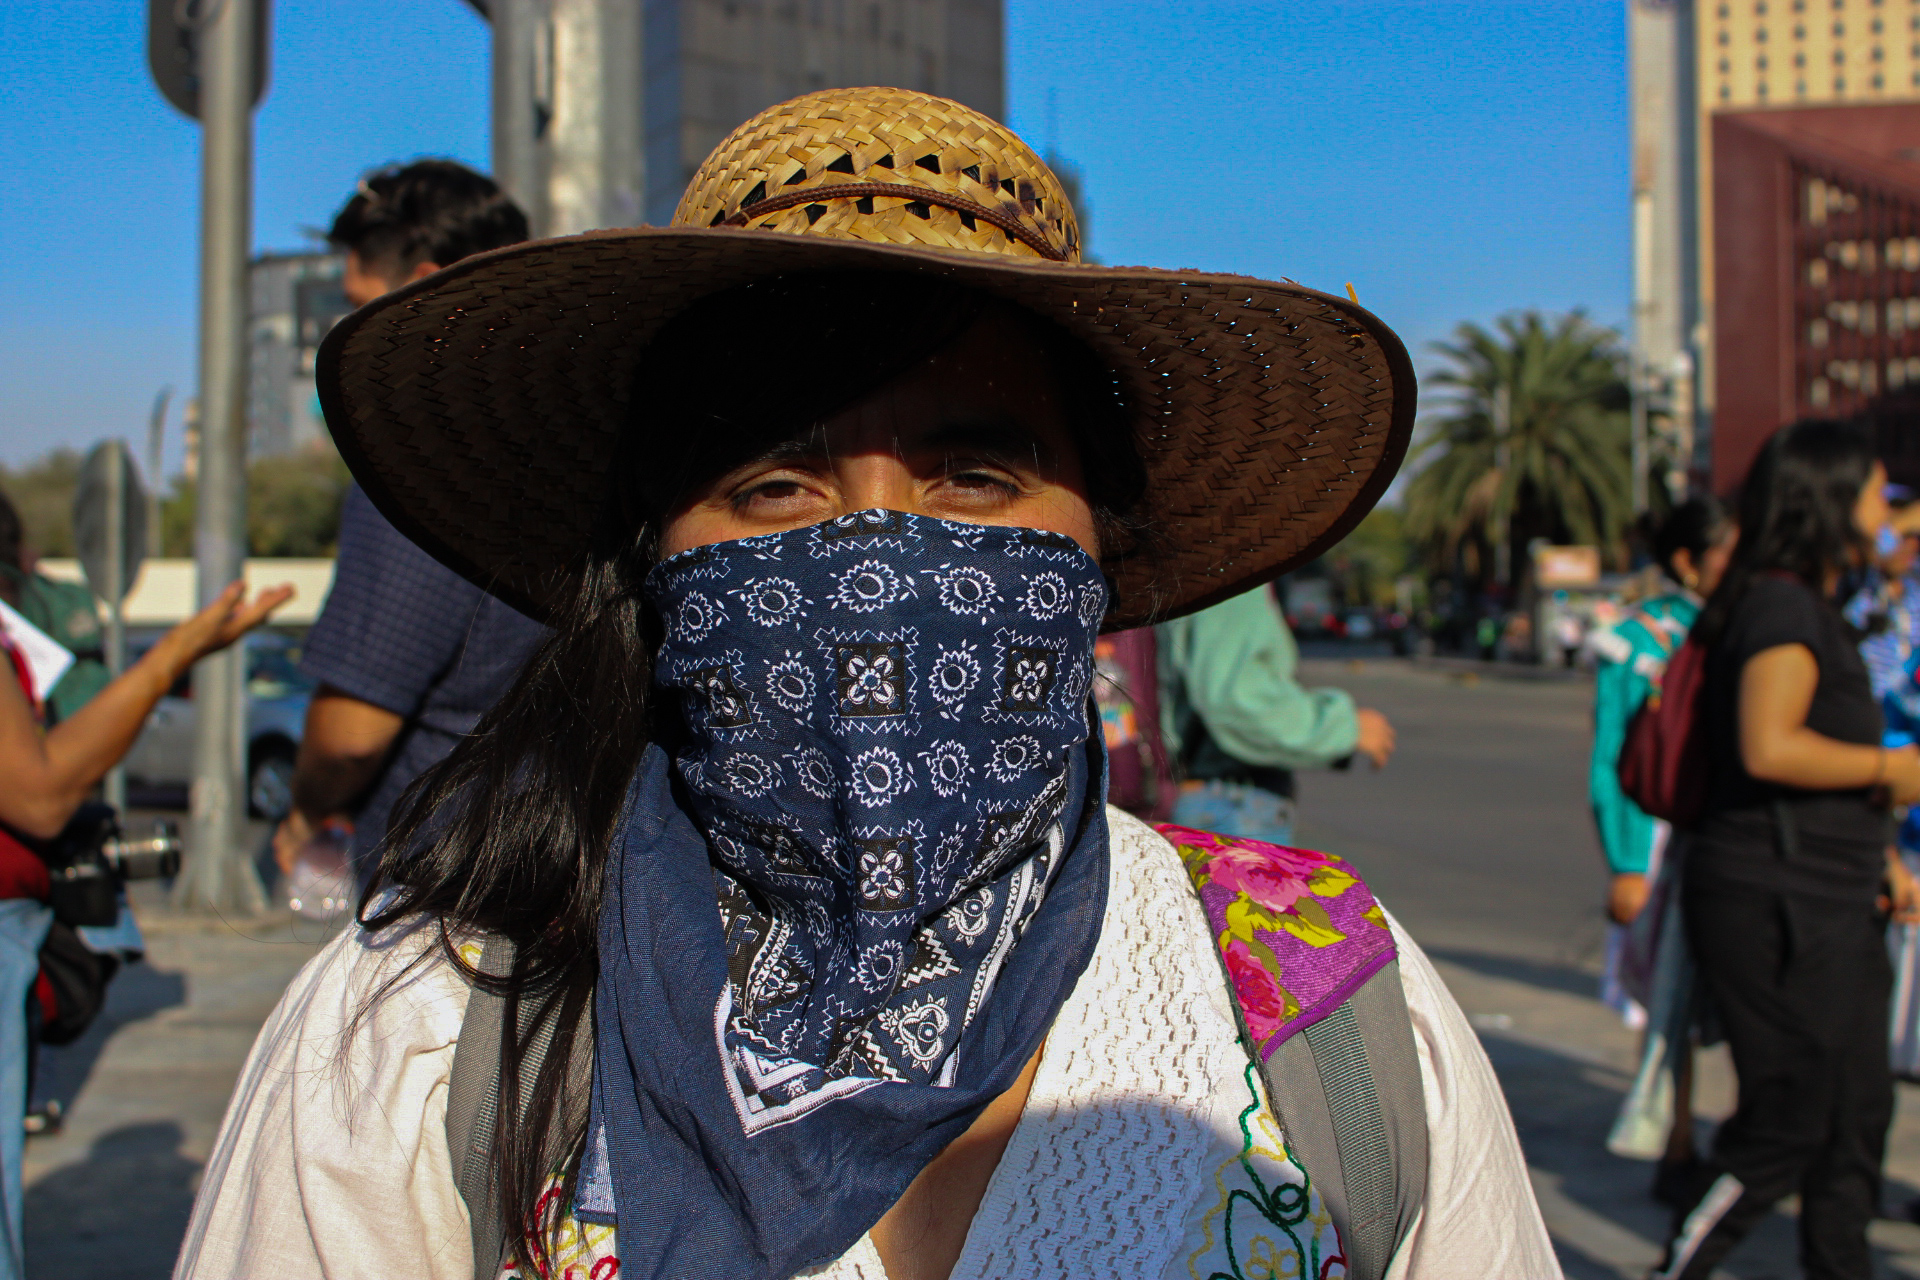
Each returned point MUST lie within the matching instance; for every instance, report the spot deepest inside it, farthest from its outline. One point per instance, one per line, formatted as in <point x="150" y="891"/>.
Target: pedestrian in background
<point x="63" y="610"/>
<point x="1788" y="872"/>
<point x="1238" y="721"/>
<point x="1887" y="610"/>
<point x="407" y="653"/>
<point x="1692" y="546"/>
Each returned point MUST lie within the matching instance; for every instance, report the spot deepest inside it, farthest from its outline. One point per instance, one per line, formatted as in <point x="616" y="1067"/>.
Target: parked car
<point x="277" y="696"/>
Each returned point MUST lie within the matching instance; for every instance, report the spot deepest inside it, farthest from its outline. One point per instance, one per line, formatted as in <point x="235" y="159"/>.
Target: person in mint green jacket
<point x="1238" y="721"/>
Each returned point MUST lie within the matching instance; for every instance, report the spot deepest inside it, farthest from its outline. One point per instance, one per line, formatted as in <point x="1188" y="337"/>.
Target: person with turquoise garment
<point x="1692" y="546"/>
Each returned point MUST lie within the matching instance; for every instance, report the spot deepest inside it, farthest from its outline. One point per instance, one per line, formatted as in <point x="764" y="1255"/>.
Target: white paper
<point x="47" y="659"/>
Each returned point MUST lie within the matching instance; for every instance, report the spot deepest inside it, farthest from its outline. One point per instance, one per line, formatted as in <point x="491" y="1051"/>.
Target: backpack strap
<point x="474" y="1096"/>
<point x="1315" y="977"/>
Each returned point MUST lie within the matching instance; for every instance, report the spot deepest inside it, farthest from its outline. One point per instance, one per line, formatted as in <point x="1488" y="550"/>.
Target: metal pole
<point x="218" y="874"/>
<point x="116" y="585"/>
<point x="156" y="445"/>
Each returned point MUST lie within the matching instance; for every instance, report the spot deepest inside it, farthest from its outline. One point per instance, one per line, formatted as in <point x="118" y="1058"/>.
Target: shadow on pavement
<point x="137" y="992"/>
<point x="1567" y="978"/>
<point x="1563" y="1109"/>
<point x="117" y="1215"/>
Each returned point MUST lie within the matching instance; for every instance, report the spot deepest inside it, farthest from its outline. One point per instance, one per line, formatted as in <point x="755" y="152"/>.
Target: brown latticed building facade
<point x="1816" y="276"/>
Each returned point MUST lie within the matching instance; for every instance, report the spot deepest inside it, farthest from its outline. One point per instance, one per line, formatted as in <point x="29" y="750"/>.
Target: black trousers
<point x="1801" y="988"/>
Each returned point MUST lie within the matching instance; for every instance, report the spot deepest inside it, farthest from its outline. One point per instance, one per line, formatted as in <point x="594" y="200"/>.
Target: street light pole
<point x="218" y="874"/>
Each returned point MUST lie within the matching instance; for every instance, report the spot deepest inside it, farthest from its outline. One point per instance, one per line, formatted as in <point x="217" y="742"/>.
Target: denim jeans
<point x="23" y="927"/>
<point x="1235" y="809"/>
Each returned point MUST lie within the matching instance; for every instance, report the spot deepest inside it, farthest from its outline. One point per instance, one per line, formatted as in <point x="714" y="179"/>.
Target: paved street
<point x="1477" y="838"/>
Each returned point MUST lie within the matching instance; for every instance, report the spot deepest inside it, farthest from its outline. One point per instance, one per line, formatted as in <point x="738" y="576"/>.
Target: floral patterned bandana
<point x="889" y="785"/>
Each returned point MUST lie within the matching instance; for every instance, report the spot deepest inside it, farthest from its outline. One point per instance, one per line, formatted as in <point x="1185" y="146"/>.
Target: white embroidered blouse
<point x="1146" y="1148"/>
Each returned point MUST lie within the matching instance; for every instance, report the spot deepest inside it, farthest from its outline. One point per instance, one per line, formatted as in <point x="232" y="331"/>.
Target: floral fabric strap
<point x="1298" y="930"/>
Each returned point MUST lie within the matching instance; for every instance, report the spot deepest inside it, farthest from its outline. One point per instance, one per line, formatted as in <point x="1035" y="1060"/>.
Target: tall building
<point x="1776" y="188"/>
<point x="294" y="300"/>
<point x="602" y="109"/>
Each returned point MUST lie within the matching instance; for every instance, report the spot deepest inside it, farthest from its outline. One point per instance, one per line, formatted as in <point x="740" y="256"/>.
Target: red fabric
<point x="1663" y="763"/>
<point x="22" y="873"/>
<point x="43" y="992"/>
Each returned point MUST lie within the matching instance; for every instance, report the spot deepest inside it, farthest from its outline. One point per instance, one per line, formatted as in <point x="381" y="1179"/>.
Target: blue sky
<point x="1454" y="159"/>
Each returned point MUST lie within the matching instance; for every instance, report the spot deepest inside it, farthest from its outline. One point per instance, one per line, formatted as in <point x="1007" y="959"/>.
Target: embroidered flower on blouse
<point x="1273" y="876"/>
<point x="1261" y="998"/>
<point x="947" y="768"/>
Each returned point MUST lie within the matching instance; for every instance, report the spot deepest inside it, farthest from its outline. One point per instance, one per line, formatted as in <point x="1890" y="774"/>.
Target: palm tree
<point x="1537" y="443"/>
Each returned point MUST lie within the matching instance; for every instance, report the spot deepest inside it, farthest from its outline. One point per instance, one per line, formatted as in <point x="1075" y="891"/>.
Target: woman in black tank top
<point x="1788" y="876"/>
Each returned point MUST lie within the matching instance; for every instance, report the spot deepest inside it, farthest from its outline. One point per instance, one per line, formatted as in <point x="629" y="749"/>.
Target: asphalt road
<point x="1477" y="838"/>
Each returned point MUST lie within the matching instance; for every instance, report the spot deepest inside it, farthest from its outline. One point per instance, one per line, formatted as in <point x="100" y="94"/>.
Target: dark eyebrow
<point x="997" y="436"/>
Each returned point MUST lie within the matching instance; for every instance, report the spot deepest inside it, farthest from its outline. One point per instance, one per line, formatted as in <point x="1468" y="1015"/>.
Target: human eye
<point x="775" y="496"/>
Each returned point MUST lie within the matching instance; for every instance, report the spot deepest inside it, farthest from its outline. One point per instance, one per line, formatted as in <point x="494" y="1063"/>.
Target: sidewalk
<point x="108" y="1198"/>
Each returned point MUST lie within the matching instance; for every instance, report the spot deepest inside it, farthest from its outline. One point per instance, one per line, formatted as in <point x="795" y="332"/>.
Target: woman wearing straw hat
<point x="774" y="923"/>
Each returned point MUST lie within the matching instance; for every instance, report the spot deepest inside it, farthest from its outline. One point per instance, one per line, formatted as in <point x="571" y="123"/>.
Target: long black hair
<point x="1796" y="513"/>
<point x="1695" y="527"/>
<point x="510" y="834"/>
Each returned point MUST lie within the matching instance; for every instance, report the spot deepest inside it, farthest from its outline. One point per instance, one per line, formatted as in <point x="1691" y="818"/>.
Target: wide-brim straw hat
<point x="482" y="407"/>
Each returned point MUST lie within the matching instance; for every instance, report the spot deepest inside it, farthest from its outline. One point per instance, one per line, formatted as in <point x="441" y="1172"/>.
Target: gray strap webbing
<point x="1348" y="1095"/>
<point x="473" y="1101"/>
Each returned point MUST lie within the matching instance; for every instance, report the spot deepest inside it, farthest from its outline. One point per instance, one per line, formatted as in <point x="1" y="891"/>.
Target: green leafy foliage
<point x="293" y="504"/>
<point x="1536" y="442"/>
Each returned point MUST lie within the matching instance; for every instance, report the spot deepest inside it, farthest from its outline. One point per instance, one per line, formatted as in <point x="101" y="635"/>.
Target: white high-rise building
<point x="602" y="109"/>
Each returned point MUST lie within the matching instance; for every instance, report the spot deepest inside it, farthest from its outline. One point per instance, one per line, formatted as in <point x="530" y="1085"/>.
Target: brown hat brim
<point x="481" y="408"/>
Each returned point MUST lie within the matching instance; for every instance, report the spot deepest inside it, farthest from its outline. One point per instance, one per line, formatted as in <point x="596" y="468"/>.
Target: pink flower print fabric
<point x="1298" y="931"/>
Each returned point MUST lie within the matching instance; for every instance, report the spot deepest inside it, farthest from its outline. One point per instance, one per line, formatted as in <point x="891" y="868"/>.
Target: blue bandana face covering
<point x="849" y="902"/>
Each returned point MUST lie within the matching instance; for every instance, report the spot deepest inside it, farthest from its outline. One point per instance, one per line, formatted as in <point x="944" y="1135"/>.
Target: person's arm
<point x="48" y="775"/>
<point x="1776" y="689"/>
<point x="1238" y="663"/>
<point x="343" y="748"/>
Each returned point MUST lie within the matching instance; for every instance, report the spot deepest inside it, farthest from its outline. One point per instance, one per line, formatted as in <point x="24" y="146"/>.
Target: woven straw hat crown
<point x="887" y="166"/>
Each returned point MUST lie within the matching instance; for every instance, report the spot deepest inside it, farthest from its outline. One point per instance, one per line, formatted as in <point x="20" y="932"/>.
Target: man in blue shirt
<point x="408" y="654"/>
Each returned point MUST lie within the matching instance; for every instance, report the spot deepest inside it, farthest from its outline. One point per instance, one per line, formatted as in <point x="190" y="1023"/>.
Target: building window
<point x="1877" y="54"/>
<point x="1800" y="32"/>
<point x="1725" y="39"/>
<point x="1726" y="94"/>
<point x="1876" y="28"/>
<point x="1724" y="12"/>
<point x="1879" y="82"/>
<point x="1800" y="86"/>
<point x="1839" y="84"/>
<point x="1800" y="59"/>
<point x="1760" y="35"/>
<point x="1761" y="62"/>
<point x="1839" y="30"/>
<point x="1839" y="56"/>
<point x="1725" y="66"/>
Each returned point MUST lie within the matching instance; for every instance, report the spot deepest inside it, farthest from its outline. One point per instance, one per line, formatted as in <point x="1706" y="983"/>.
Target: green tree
<point x="42" y="492"/>
<point x="1536" y="443"/>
